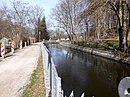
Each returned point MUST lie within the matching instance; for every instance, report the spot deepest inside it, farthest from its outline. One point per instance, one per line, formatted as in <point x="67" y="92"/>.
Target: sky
<point x="47" y="5"/>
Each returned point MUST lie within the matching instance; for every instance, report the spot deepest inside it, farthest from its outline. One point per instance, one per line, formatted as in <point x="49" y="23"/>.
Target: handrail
<point x="54" y="81"/>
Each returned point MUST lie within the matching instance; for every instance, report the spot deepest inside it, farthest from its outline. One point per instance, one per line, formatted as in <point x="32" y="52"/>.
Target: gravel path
<point x="15" y="71"/>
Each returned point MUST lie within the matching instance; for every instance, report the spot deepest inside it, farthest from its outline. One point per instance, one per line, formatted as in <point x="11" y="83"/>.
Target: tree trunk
<point x="127" y="35"/>
<point x="122" y="27"/>
<point x="121" y="38"/>
<point x="86" y="33"/>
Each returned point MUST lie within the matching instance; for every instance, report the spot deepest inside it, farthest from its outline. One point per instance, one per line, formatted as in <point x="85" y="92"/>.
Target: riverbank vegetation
<point x="105" y="45"/>
<point x="36" y="88"/>
<point x="100" y="44"/>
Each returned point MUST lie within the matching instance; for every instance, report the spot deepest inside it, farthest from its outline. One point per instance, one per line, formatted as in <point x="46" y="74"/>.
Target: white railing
<point x="52" y="81"/>
<point x="56" y="83"/>
<point x="72" y="94"/>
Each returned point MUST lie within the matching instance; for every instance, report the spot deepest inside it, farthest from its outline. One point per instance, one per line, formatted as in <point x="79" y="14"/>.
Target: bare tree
<point x="20" y="10"/>
<point x="100" y="9"/>
<point x="36" y="13"/>
<point x="120" y="9"/>
<point x="7" y="15"/>
<point x="16" y="20"/>
<point x="66" y="14"/>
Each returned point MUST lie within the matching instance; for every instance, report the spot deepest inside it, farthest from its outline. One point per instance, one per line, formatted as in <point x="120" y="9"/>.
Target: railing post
<point x="50" y="65"/>
<point x="12" y="46"/>
<point x="2" y="49"/>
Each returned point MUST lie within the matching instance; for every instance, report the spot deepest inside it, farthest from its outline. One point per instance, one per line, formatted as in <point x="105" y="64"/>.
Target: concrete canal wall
<point x="98" y="52"/>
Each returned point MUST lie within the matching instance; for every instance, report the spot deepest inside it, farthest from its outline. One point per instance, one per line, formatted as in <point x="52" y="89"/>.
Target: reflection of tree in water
<point x="111" y="71"/>
<point x="71" y="75"/>
<point x="79" y="56"/>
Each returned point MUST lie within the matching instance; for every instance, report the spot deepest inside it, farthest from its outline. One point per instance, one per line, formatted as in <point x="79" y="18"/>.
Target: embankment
<point x="102" y="53"/>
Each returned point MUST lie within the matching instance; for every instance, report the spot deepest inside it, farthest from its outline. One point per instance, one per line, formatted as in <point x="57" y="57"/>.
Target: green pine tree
<point x="44" y="34"/>
<point x="42" y="30"/>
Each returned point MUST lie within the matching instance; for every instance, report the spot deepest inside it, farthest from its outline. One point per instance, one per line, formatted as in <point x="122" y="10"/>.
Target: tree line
<point x="94" y="19"/>
<point x="20" y="20"/>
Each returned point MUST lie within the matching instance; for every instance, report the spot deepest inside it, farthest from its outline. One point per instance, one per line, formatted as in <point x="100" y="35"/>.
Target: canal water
<point x="87" y="73"/>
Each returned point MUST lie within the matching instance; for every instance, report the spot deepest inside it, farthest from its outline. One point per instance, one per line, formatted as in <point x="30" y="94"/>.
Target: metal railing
<point x="53" y="81"/>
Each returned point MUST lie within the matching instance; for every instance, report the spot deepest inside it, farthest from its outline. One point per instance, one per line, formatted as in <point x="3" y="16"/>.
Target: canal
<point x="87" y="73"/>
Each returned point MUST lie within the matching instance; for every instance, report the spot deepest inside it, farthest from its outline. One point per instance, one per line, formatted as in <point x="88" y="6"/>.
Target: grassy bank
<point x="100" y="44"/>
<point x="36" y="88"/>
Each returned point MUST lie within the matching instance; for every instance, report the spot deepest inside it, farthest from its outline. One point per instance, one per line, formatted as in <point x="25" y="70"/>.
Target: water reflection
<point x="86" y="73"/>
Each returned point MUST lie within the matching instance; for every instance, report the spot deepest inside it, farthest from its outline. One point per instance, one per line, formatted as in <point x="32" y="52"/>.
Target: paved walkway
<point x="15" y="71"/>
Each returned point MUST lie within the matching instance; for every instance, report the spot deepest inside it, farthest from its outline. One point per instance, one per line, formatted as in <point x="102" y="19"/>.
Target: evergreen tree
<point x="38" y="30"/>
<point x="44" y="34"/>
<point x="42" y="30"/>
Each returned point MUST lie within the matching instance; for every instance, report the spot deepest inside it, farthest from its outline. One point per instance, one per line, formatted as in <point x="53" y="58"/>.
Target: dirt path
<point x="15" y="71"/>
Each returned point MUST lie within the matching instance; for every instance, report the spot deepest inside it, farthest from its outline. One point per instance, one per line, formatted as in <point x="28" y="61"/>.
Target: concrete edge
<point x="105" y="54"/>
<point x="46" y="74"/>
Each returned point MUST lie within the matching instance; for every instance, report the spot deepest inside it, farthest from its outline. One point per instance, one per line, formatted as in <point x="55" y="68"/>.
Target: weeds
<point x="36" y="88"/>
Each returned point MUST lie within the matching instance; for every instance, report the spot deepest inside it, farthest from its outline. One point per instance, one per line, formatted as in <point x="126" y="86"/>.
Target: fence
<point x="52" y="81"/>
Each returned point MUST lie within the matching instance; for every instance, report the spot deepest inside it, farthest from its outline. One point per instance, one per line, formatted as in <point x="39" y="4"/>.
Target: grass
<point x="100" y="44"/>
<point x="36" y="87"/>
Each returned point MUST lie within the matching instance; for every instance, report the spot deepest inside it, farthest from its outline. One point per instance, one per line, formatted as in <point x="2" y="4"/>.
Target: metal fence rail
<point x="52" y="80"/>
